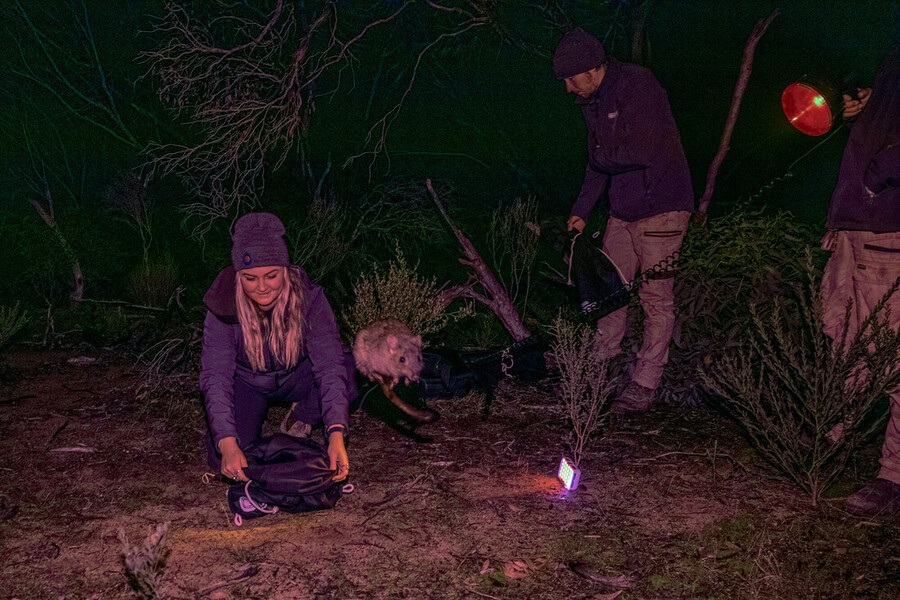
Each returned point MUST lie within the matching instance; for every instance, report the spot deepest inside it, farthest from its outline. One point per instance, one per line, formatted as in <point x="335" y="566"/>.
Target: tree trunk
<point x="638" y="21"/>
<point x="77" y="277"/>
<point x="739" y="88"/>
<point x="494" y="295"/>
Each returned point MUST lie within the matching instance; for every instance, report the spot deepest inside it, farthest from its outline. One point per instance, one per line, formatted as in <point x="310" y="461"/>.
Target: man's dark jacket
<point x="872" y="160"/>
<point x="634" y="149"/>
<point x="223" y="357"/>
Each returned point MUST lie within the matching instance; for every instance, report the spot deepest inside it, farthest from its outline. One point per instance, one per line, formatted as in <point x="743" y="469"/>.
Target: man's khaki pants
<point x="637" y="246"/>
<point x="863" y="267"/>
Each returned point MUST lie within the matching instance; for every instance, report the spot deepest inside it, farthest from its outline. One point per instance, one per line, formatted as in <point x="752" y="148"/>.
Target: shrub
<point x="513" y="238"/>
<point x="398" y="293"/>
<point x="585" y="380"/>
<point x="789" y="385"/>
<point x="333" y="236"/>
<point x="154" y="283"/>
<point x="169" y="370"/>
<point x="144" y="564"/>
<point x="12" y="320"/>
<point x="742" y="259"/>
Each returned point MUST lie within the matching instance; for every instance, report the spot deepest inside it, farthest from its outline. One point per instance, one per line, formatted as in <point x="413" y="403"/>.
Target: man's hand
<point x="337" y="454"/>
<point x="576" y="223"/>
<point x="854" y="106"/>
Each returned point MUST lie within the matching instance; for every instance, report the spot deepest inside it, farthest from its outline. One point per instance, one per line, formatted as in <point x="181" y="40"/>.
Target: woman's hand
<point x="233" y="459"/>
<point x="337" y="453"/>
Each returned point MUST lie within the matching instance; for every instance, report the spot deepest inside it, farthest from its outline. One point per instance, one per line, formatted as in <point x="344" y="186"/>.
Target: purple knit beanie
<point x="577" y="52"/>
<point x="258" y="241"/>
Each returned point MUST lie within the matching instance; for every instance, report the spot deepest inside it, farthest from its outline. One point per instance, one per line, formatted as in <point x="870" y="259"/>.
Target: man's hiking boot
<point x="635" y="398"/>
<point x="293" y="426"/>
<point x="881" y="498"/>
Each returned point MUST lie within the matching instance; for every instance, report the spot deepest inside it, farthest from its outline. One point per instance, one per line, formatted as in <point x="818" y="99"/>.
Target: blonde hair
<point x="280" y="329"/>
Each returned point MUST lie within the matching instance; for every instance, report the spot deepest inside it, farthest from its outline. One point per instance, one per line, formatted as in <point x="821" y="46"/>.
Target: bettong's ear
<point x="392" y="342"/>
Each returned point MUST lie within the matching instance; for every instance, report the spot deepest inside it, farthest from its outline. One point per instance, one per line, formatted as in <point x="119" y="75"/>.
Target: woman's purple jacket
<point x="634" y="149"/>
<point x="224" y="358"/>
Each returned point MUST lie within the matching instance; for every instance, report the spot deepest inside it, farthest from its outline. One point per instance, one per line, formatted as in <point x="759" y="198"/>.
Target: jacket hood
<point x="219" y="298"/>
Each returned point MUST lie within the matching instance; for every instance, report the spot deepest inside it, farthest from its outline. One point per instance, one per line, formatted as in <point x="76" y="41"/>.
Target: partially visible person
<point x="864" y="237"/>
<point x="270" y="335"/>
<point x="636" y="158"/>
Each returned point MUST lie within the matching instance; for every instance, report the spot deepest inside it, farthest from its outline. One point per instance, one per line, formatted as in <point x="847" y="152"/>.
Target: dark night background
<point x="484" y="115"/>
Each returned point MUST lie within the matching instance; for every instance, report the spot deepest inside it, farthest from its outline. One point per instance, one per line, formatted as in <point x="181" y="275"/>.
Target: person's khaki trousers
<point x="637" y="246"/>
<point x="863" y="267"/>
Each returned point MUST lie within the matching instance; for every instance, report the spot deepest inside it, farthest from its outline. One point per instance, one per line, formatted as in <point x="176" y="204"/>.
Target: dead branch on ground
<point x="490" y="291"/>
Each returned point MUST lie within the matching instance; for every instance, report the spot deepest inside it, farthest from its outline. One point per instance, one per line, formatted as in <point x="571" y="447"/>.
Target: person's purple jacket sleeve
<point x="326" y="354"/>
<point x="217" y="369"/>
<point x="884" y="170"/>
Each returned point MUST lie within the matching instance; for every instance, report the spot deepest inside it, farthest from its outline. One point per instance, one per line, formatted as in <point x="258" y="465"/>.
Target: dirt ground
<point x="673" y="504"/>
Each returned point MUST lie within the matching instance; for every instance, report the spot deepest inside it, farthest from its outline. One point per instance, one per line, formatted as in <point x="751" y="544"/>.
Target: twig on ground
<point x="393" y="494"/>
<point x="56" y="433"/>
<point x="248" y="572"/>
<point x="705" y="454"/>
<point x="482" y="595"/>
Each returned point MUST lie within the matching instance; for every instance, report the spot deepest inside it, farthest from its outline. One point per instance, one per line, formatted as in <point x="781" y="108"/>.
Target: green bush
<point x="398" y="292"/>
<point x="585" y="381"/>
<point x="12" y="320"/>
<point x="154" y="283"/>
<point x="801" y="398"/>
<point x="736" y="261"/>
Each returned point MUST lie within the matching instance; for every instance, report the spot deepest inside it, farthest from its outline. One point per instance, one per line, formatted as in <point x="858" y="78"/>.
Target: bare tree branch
<point x="76" y="96"/>
<point x="382" y="126"/>
<point x="494" y="296"/>
<point x="46" y="214"/>
<point x="746" y="68"/>
<point x="248" y="102"/>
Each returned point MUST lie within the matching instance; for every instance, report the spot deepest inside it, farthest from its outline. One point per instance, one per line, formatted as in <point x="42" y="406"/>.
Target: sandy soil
<point x="673" y="504"/>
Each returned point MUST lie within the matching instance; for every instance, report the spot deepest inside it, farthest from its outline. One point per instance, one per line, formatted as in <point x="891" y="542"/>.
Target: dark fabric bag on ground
<point x="449" y="373"/>
<point x="287" y="474"/>
<point x="601" y="287"/>
<point x="445" y="374"/>
<point x="523" y="360"/>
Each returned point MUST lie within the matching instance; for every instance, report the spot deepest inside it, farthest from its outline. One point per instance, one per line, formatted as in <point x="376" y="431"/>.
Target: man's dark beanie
<point x="577" y="52"/>
<point x="258" y="241"/>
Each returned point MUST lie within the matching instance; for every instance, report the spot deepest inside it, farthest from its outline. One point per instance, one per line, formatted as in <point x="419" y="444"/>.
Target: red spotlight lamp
<point x="810" y="106"/>
<point x="568" y="474"/>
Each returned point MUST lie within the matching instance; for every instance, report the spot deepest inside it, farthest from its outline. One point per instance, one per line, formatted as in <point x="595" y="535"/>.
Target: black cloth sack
<point x="601" y="287"/>
<point x="445" y="374"/>
<point x="450" y="373"/>
<point x="292" y="474"/>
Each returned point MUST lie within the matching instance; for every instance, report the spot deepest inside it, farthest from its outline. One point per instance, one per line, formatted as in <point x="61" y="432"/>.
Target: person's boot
<point x="880" y="498"/>
<point x="635" y="398"/>
<point x="293" y="426"/>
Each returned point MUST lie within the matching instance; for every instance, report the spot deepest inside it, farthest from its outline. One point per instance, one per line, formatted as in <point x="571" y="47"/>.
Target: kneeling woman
<point x="270" y="335"/>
